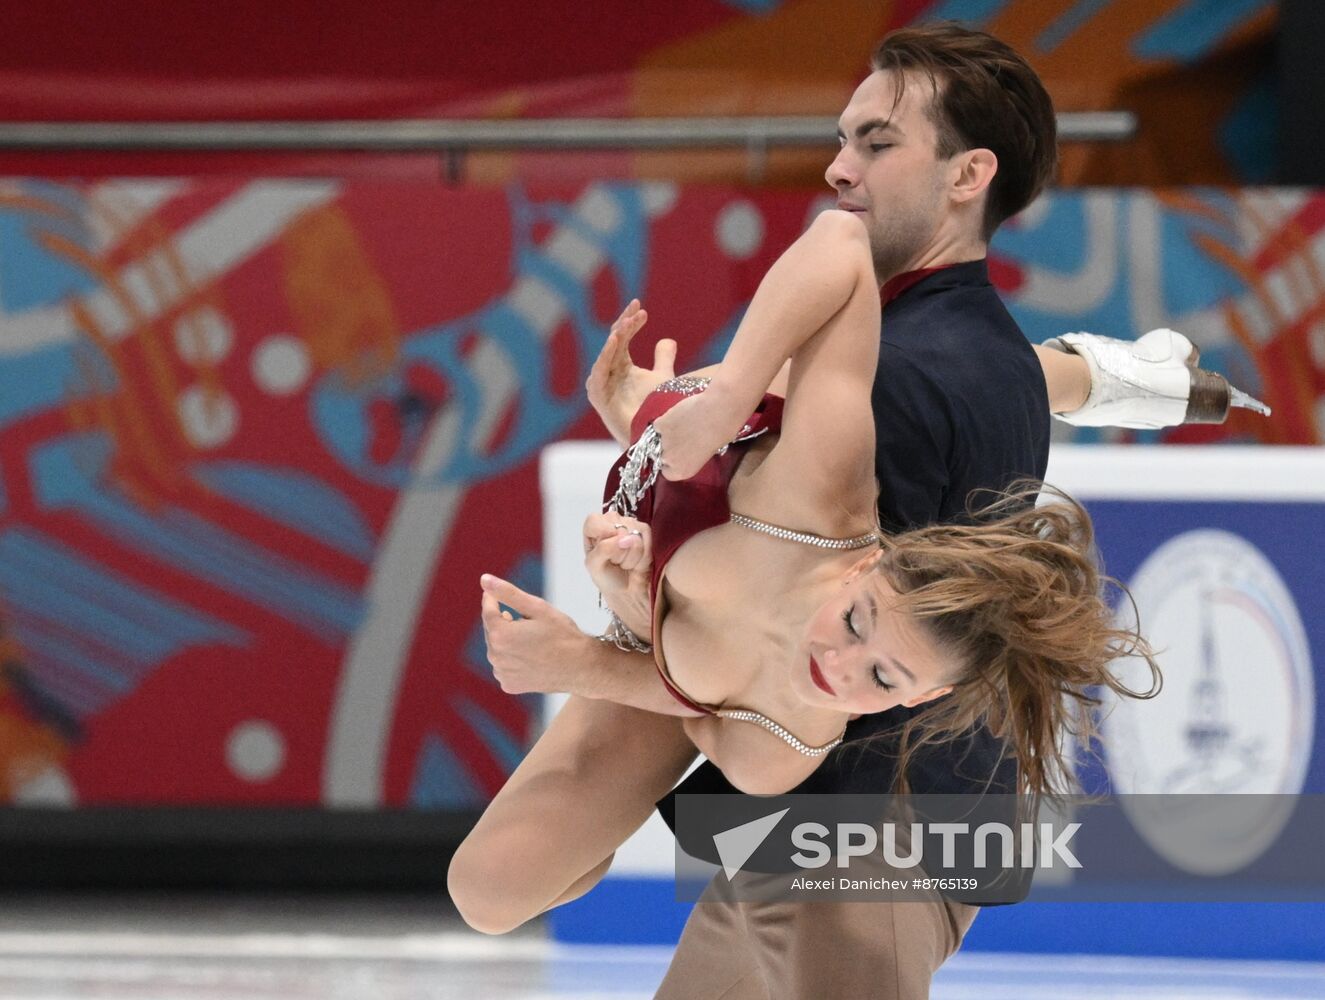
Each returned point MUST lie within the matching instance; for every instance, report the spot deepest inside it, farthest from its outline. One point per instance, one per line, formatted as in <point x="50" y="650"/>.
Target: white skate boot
<point x="1149" y="383"/>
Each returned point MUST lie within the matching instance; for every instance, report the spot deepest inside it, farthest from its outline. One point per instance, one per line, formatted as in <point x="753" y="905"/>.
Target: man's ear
<point x="929" y="695"/>
<point x="976" y="169"/>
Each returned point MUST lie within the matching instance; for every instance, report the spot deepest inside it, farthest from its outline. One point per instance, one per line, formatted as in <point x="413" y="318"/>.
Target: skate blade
<point x="1236" y="397"/>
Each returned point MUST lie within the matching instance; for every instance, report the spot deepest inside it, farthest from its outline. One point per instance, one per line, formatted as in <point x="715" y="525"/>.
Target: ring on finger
<point x="635" y="531"/>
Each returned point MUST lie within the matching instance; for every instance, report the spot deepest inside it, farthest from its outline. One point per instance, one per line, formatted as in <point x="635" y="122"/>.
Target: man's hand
<point x="616" y="385"/>
<point x="543" y="651"/>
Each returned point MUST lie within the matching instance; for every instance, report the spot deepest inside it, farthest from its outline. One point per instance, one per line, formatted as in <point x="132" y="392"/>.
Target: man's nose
<point x="839" y="175"/>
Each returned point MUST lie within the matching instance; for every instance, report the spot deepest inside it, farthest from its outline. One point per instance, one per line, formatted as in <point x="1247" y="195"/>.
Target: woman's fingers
<point x="600" y="554"/>
<point x="609" y="359"/>
<point x="610" y="550"/>
<point x="616" y="539"/>
<point x="632" y="557"/>
<point x="614" y="358"/>
<point x="664" y="358"/>
<point x="632" y="307"/>
<point x="627" y="316"/>
<point x="601" y="527"/>
<point x="630" y="323"/>
<point x="634" y="547"/>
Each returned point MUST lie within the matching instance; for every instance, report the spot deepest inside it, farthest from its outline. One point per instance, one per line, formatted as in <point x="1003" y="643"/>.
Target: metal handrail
<point x="462" y="136"/>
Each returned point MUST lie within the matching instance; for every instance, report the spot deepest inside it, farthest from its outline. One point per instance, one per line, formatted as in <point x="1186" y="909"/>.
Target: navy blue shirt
<point x="960" y="404"/>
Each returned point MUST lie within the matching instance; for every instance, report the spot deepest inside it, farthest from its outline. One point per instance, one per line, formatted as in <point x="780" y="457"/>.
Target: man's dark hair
<point x="986" y="97"/>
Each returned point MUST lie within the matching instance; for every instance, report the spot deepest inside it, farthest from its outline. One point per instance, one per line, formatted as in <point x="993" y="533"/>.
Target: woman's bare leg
<point x="589" y="782"/>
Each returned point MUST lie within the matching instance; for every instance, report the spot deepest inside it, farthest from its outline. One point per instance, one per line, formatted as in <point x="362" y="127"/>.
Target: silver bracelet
<point x="619" y="635"/>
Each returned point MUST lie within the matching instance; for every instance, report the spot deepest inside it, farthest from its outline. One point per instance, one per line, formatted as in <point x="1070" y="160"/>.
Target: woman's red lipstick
<point x="819" y="680"/>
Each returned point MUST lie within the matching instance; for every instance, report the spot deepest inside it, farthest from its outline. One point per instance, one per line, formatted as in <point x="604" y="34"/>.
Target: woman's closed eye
<point x="851" y="625"/>
<point x="875" y="675"/>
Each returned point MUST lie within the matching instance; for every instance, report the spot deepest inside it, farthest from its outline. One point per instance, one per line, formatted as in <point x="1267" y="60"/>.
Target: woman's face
<point x="860" y="653"/>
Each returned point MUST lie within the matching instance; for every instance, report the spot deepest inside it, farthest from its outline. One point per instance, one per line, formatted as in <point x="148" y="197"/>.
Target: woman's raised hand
<point x="618" y="552"/>
<point x="617" y="540"/>
<point x="616" y="385"/>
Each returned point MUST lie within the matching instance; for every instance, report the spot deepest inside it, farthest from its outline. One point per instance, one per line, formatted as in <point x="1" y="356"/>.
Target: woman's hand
<point x="616" y="546"/>
<point x="618" y="552"/>
<point x="616" y="385"/>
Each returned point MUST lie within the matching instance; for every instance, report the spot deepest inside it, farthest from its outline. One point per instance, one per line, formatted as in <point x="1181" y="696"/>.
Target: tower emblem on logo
<point x="1234" y="724"/>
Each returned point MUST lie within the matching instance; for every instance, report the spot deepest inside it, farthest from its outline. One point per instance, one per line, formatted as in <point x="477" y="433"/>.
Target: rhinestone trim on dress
<point x="686" y="385"/>
<point x="643" y="463"/>
<point x="804" y="537"/>
<point x="744" y="715"/>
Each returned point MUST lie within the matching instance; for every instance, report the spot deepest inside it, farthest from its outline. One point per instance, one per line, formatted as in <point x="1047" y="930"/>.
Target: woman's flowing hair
<point x="1018" y="599"/>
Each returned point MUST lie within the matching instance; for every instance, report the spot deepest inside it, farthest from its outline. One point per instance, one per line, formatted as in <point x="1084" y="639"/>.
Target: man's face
<point x="888" y="172"/>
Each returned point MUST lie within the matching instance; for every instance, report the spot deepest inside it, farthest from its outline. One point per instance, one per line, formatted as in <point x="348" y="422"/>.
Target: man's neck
<point x="898" y="284"/>
<point x="942" y="251"/>
<point x="946" y="253"/>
